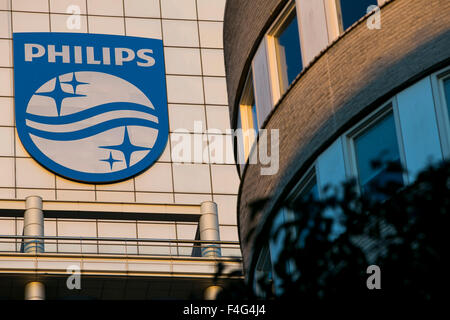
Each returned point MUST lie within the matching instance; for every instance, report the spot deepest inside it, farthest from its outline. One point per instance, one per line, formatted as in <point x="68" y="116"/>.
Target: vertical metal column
<point x="209" y="229"/>
<point x="211" y="292"/>
<point x="33" y="225"/>
<point x="34" y="290"/>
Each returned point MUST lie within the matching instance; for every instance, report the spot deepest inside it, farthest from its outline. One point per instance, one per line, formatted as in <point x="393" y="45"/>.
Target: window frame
<point x="249" y="132"/>
<point x="286" y="215"/>
<point x="275" y="72"/>
<point x="351" y="166"/>
<point x="264" y="258"/>
<point x="311" y="174"/>
<point x="340" y="18"/>
<point x="442" y="109"/>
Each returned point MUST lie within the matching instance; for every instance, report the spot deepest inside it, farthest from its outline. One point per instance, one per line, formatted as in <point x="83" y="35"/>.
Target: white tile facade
<point x="183" y="61"/>
<point x="26" y="21"/>
<point x="6" y="50"/>
<point x="142" y="8"/>
<point x="148" y="28"/>
<point x="191" y="31"/>
<point x="63" y="6"/>
<point x="180" y="33"/>
<point x="179" y="9"/>
<point x="211" y="35"/>
<point x="5" y="5"/>
<point x="26" y="5"/>
<point x="210" y="9"/>
<point x="58" y="23"/>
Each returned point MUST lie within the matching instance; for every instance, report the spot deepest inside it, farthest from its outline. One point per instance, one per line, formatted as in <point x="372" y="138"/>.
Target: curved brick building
<point x="341" y="81"/>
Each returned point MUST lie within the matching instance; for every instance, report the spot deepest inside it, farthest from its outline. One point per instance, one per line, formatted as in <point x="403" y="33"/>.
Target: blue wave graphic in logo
<point x="93" y="111"/>
<point x="91" y="131"/>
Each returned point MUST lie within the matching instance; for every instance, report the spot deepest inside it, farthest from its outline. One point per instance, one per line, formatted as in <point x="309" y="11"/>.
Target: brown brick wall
<point x="356" y="74"/>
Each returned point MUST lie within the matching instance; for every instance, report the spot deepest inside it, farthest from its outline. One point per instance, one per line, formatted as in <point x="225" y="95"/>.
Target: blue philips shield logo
<point x="91" y="108"/>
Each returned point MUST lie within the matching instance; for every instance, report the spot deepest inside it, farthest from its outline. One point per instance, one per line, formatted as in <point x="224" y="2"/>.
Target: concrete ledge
<point x="51" y="205"/>
<point x="57" y="264"/>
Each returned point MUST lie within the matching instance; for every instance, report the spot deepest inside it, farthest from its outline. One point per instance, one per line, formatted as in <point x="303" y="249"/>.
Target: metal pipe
<point x="34" y="290"/>
<point x="33" y="225"/>
<point x="209" y="229"/>
<point x="211" y="292"/>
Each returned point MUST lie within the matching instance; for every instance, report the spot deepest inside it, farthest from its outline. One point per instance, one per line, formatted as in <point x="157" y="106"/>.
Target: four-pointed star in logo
<point x="126" y="147"/>
<point x="58" y="94"/>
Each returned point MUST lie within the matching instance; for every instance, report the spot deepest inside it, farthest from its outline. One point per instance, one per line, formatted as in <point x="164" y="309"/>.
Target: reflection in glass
<point x="353" y="10"/>
<point x="378" y="143"/>
<point x="447" y="94"/>
<point x="254" y="116"/>
<point x="248" y="119"/>
<point x="310" y="191"/>
<point x="240" y="144"/>
<point x="289" y="53"/>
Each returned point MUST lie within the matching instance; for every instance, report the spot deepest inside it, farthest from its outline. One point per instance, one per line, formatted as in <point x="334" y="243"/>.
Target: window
<point x="284" y="49"/>
<point x="310" y="190"/>
<point x="307" y="190"/>
<point x="263" y="269"/>
<point x="441" y="92"/>
<point x="276" y="245"/>
<point x="289" y="56"/>
<point x="351" y="10"/>
<point x="447" y="95"/>
<point x="378" y="142"/>
<point x="247" y="120"/>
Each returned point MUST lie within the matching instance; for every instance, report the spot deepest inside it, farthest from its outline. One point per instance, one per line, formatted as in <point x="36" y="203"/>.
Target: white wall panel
<point x="7" y="227"/>
<point x="330" y="167"/>
<point x="312" y="24"/>
<point x="419" y="127"/>
<point x="261" y="83"/>
<point x="332" y="19"/>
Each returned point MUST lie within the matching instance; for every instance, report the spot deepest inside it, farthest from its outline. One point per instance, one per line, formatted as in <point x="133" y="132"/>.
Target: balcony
<point x="118" y="256"/>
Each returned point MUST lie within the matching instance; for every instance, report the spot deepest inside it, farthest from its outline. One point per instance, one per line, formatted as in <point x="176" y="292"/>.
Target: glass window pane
<point x="310" y="192"/>
<point x="263" y="269"/>
<point x="248" y="115"/>
<point x="378" y="143"/>
<point x="254" y="117"/>
<point x="264" y="264"/>
<point x="289" y="54"/>
<point x="248" y="104"/>
<point x="240" y="144"/>
<point x="353" y="10"/>
<point x="447" y="94"/>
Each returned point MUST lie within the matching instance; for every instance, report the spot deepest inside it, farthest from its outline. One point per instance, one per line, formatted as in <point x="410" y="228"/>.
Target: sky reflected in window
<point x="447" y="94"/>
<point x="379" y="143"/>
<point x="289" y="54"/>
<point x="353" y="10"/>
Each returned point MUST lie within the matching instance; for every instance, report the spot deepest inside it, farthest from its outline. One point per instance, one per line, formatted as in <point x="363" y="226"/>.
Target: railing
<point x="122" y="246"/>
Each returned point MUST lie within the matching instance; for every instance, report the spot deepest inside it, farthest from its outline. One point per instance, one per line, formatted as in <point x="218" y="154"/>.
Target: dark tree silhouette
<point x="328" y="244"/>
